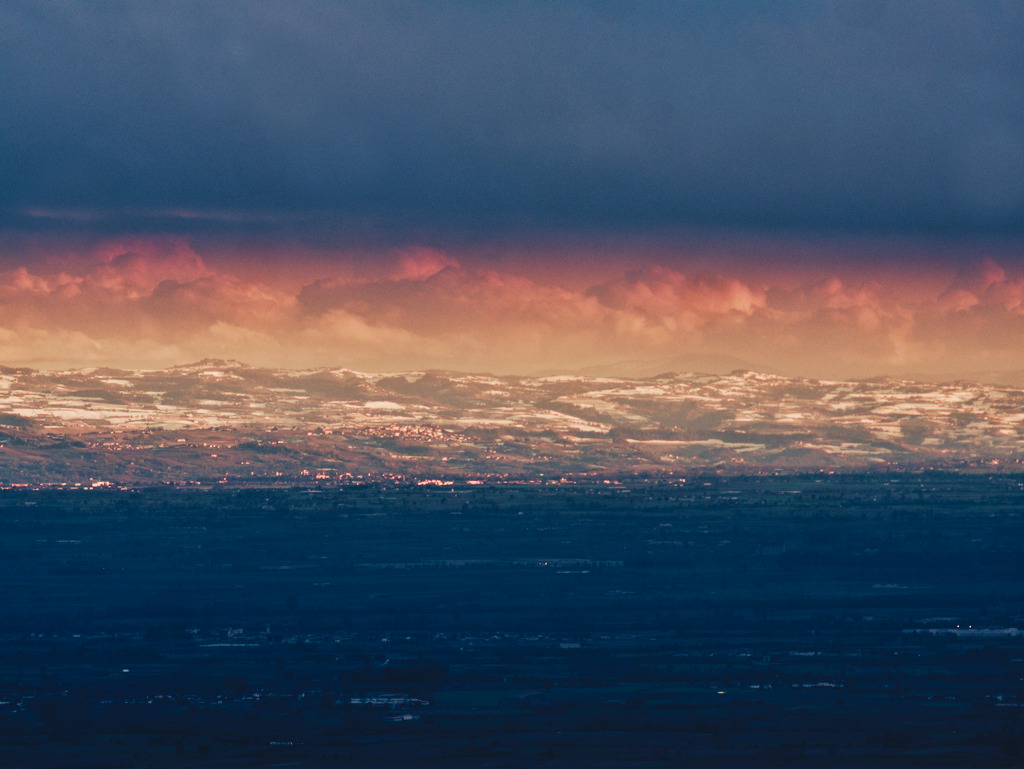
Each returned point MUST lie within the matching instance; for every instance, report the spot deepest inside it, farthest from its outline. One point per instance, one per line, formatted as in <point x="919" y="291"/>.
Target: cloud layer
<point x="253" y="115"/>
<point x="151" y="303"/>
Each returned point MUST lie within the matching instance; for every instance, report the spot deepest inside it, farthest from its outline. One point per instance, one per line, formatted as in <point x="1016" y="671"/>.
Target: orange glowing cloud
<point x="150" y="304"/>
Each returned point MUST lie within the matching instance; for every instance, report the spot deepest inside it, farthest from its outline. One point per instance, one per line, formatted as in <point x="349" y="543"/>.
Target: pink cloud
<point x="140" y="303"/>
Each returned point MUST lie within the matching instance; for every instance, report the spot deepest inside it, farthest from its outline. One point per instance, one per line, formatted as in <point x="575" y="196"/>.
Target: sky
<point x="826" y="188"/>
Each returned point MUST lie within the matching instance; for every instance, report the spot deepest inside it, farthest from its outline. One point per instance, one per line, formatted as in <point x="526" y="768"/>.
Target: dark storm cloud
<point x="853" y="114"/>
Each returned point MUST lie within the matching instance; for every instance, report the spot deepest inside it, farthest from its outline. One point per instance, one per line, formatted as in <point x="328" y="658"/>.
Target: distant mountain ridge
<point x="225" y="419"/>
<point x="705" y="364"/>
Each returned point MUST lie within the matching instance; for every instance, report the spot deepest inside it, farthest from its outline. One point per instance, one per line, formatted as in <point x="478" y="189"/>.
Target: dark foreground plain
<point x="858" y="620"/>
